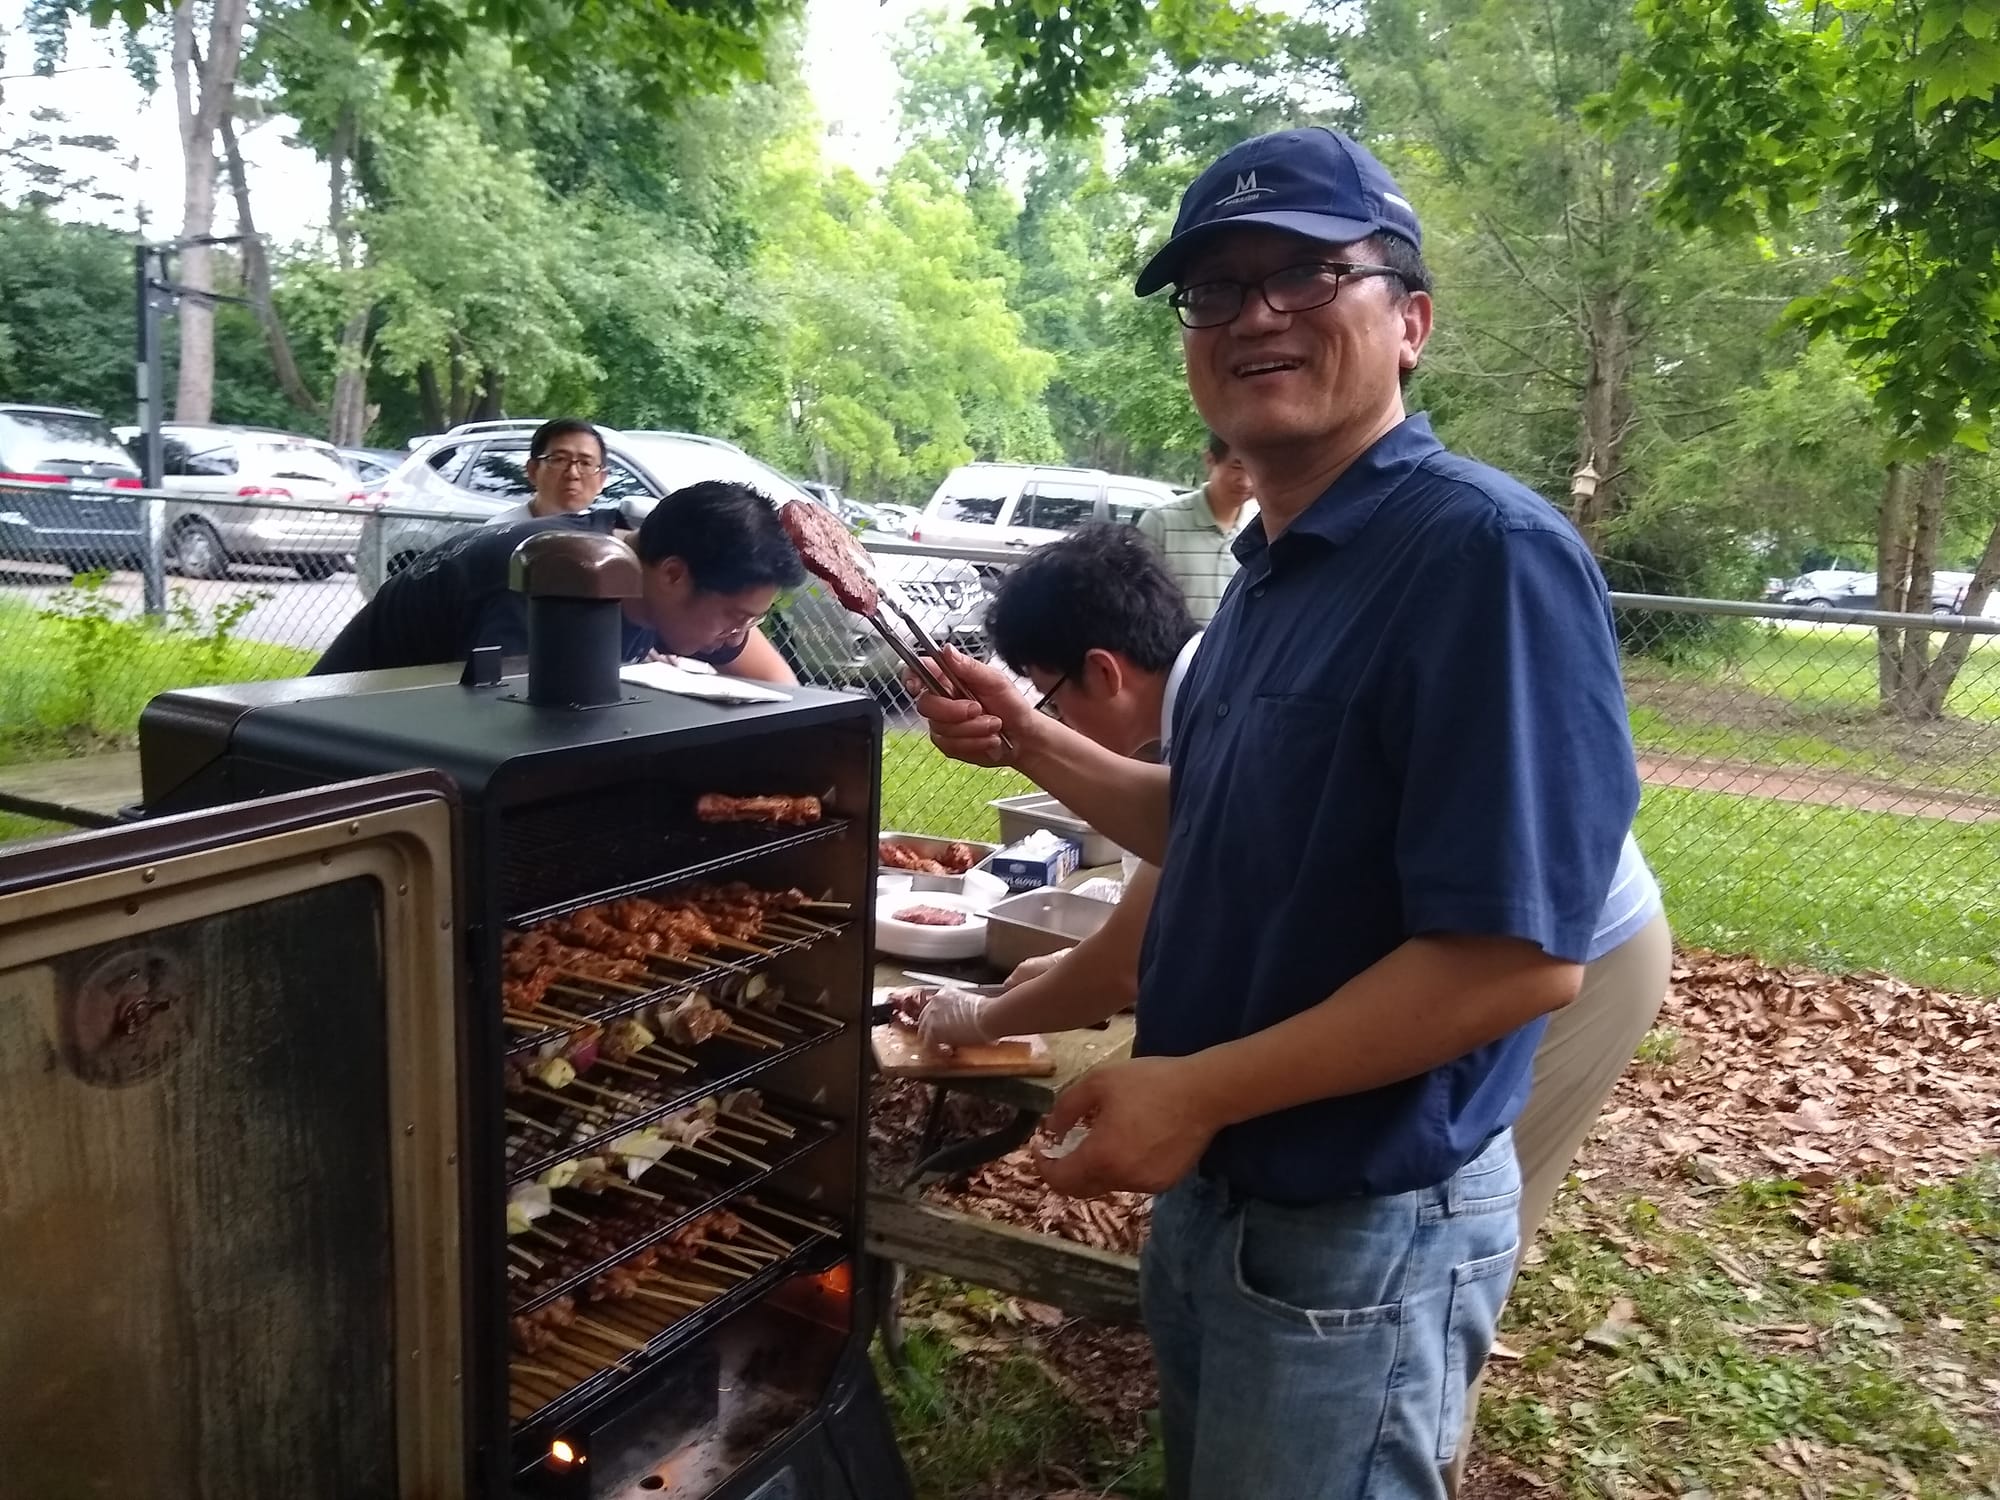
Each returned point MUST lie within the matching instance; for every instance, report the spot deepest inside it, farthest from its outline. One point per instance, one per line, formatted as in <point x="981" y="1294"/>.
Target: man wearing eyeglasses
<point x="566" y="467"/>
<point x="712" y="559"/>
<point x="1402" y="779"/>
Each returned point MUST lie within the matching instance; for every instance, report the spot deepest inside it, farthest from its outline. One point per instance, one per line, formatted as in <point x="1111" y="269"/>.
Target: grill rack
<point x="529" y="1442"/>
<point x="685" y="1093"/>
<point x="624" y="1005"/>
<point x="822" y="1130"/>
<point x="537" y="859"/>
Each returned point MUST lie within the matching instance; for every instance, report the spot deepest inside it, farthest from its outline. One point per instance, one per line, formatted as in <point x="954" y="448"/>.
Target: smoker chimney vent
<point x="574" y="582"/>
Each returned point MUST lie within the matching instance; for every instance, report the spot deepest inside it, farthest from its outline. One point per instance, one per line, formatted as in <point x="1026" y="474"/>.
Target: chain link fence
<point x="1821" y="786"/>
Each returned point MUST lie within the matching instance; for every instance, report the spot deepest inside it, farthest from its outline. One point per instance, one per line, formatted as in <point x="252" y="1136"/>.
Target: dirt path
<point x="1826" y="789"/>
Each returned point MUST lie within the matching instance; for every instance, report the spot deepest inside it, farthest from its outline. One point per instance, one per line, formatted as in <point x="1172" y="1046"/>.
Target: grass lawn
<point x="76" y="685"/>
<point x="1836" y="889"/>
<point x="1806" y="696"/>
<point x="925" y="792"/>
<point x="1737" y="1344"/>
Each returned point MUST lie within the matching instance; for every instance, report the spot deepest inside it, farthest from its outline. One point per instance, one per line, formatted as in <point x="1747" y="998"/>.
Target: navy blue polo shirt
<point x="1407" y="719"/>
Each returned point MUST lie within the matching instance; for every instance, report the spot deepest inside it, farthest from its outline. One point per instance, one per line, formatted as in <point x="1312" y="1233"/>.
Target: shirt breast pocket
<point x="1282" y="774"/>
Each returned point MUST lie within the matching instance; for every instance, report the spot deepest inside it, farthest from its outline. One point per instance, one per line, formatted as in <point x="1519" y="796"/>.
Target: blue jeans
<point x="1324" y="1353"/>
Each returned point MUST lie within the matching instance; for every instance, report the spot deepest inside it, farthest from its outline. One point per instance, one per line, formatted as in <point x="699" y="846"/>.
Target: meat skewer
<point x="837" y="560"/>
<point x="714" y="807"/>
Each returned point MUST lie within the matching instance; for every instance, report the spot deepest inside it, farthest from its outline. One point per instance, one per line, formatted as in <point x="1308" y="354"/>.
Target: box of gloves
<point x="1041" y="859"/>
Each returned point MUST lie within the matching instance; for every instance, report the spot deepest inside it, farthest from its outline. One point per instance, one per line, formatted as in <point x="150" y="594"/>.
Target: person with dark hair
<point x="1099" y="626"/>
<point x="1196" y="532"/>
<point x="566" y="465"/>
<point x="1394" y="842"/>
<point x="712" y="561"/>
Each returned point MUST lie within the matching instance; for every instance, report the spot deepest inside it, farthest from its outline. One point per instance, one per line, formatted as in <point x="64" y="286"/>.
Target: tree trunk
<point x="1906" y="565"/>
<point x="492" y="402"/>
<point x="1605" y="415"/>
<point x="257" y="279"/>
<point x="349" y="420"/>
<point x="431" y="397"/>
<point x="1944" y="667"/>
<point x="1892" y="567"/>
<point x="203" y="92"/>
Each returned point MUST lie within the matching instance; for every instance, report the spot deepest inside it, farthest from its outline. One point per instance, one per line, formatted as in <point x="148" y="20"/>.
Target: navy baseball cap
<point x="1315" y="182"/>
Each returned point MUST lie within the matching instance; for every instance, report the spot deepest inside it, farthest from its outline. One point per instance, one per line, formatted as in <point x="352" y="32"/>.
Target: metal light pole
<point x="155" y="295"/>
<point x="151" y="267"/>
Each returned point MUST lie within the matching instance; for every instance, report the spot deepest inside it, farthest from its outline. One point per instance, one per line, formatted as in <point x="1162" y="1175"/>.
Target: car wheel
<point x="1943" y="611"/>
<point x="1819" y="604"/>
<point x="314" y="569"/>
<point x="198" y="552"/>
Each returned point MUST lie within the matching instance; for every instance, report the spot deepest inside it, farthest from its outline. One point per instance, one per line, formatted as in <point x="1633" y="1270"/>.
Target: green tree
<point x="1885" y="117"/>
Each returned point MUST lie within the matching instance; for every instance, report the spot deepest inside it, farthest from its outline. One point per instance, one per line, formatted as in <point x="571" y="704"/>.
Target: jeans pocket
<point x="1321" y="1277"/>
<point x="1478" y="1292"/>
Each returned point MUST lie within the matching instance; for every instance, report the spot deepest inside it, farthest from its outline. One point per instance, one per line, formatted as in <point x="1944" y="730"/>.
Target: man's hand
<point x="1033" y="968"/>
<point x="952" y="1019"/>
<point x="1144" y="1133"/>
<point x="972" y="730"/>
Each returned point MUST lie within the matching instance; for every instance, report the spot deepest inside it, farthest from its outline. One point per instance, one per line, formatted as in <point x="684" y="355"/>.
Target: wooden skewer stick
<point x="615" y="1335"/>
<point x="525" y="1368"/>
<point x="783" y="1244"/>
<point x="517" y="1273"/>
<point x="760" y="1038"/>
<point x="744" y="1156"/>
<point x="554" y="1239"/>
<point x="807" y="1010"/>
<point x="583" y="1106"/>
<point x="736" y="1132"/>
<point x="633" y="1188"/>
<point x="757" y="1258"/>
<point x="606" y="981"/>
<point x="520" y="1119"/>
<point x="624" y="1067"/>
<point x="569" y="1213"/>
<point x="741" y="946"/>
<point x="784" y="1127"/>
<point x="666" y="1297"/>
<point x="825" y="906"/>
<point x="678" y="1171"/>
<point x="667" y="1052"/>
<point x="625" y="1099"/>
<point x="684" y="1284"/>
<point x="779" y="1213"/>
<point x="522" y="1252"/>
<point x="570" y="1019"/>
<point x="745" y="1008"/>
<point x="524" y="1023"/>
<point x="721" y="1268"/>
<point x="599" y="1364"/>
<point x="703" y="1151"/>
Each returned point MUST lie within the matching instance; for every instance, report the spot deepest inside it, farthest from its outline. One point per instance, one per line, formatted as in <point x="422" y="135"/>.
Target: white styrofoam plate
<point x="914" y="940"/>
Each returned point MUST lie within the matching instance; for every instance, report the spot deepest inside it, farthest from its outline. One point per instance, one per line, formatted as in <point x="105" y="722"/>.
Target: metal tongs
<point x="926" y="651"/>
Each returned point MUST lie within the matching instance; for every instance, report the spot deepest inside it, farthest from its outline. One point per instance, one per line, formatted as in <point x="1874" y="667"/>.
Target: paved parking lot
<point x="289" y="610"/>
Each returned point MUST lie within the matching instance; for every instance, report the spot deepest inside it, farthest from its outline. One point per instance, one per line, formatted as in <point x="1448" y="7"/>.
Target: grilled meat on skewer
<point x="716" y="808"/>
<point x="831" y="555"/>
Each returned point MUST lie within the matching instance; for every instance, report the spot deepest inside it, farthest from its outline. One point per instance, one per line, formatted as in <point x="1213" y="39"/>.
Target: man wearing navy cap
<point x="1402" y="777"/>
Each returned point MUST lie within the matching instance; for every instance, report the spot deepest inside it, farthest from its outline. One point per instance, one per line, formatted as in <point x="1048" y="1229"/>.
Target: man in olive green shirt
<point x="1194" y="532"/>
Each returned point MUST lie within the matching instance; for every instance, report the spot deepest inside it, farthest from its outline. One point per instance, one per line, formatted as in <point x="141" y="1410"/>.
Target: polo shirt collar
<point x="1338" y="516"/>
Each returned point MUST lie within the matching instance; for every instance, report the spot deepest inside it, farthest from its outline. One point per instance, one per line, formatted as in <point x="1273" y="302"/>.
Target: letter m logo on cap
<point x="1246" y="191"/>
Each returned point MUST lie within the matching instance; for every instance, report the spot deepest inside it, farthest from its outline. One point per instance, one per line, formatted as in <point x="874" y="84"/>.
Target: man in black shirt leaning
<point x="713" y="558"/>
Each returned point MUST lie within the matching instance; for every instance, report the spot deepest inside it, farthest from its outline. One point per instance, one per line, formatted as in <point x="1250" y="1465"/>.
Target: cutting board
<point x="901" y="1053"/>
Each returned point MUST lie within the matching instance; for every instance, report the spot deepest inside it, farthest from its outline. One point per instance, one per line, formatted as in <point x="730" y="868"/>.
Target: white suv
<point x="1029" y="505"/>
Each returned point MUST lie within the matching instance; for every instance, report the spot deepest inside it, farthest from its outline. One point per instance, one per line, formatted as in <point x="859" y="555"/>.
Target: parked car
<point x="371" y="465"/>
<point x="65" y="488"/>
<point x="1028" y="505"/>
<point x="1847" y="588"/>
<point x="211" y="464"/>
<point x="458" y="480"/>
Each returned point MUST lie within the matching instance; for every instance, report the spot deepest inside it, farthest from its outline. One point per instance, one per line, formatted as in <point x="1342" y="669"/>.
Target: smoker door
<point x="229" y="1197"/>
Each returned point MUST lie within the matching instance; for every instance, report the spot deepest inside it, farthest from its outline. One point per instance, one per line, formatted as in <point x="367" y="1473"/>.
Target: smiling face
<point x="1268" y="381"/>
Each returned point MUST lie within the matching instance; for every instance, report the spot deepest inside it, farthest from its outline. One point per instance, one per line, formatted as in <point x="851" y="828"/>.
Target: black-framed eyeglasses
<point x="1047" y="703"/>
<point x="575" y="463"/>
<point x="1289" y="289"/>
